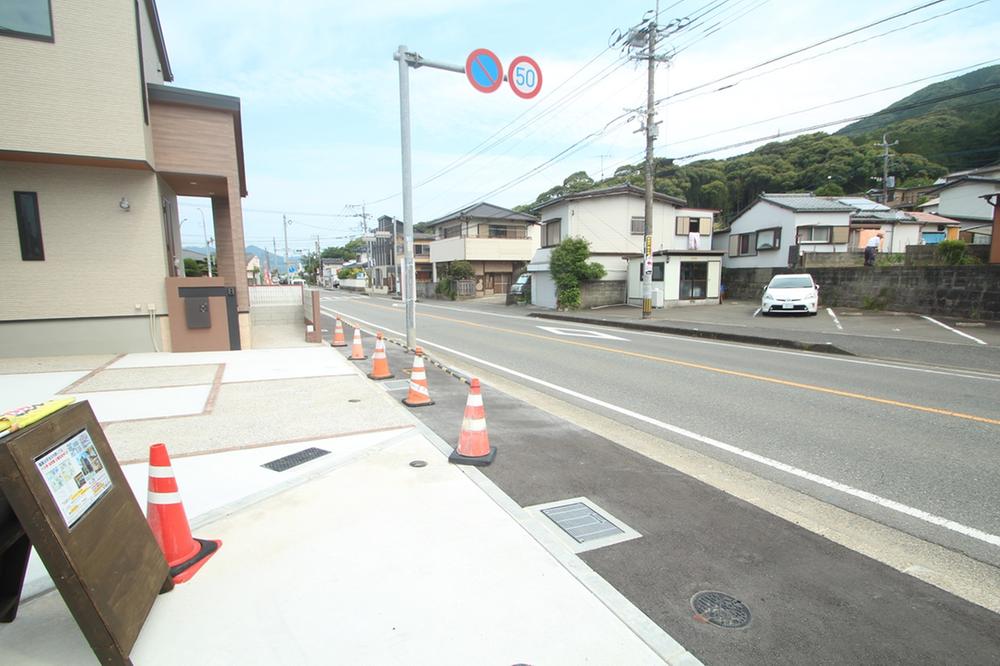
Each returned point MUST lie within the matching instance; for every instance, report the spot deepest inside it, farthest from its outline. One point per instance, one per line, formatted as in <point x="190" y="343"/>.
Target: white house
<point x="497" y="241"/>
<point x="612" y="220"/>
<point x="961" y="199"/>
<point x="762" y="234"/>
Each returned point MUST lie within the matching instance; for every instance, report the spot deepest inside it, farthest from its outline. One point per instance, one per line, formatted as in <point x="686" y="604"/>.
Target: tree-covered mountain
<point x="956" y="122"/>
<point x="943" y="127"/>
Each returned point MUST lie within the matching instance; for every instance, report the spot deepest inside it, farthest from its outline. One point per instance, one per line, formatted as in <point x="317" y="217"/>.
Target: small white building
<point x="612" y="219"/>
<point x="961" y="199"/>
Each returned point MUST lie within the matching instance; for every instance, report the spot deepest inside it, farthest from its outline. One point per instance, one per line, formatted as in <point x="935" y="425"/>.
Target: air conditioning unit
<point x="657" y="298"/>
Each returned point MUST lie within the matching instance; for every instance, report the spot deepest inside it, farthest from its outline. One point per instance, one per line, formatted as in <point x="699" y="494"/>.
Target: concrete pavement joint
<point x="638" y="622"/>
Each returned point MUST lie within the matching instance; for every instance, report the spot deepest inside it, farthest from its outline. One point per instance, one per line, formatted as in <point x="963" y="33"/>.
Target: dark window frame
<point x="777" y="239"/>
<point x="547" y="227"/>
<point x="641" y="230"/>
<point x="50" y="38"/>
<point x="688" y="283"/>
<point x="659" y="268"/>
<point x="29" y="237"/>
<point x="813" y="228"/>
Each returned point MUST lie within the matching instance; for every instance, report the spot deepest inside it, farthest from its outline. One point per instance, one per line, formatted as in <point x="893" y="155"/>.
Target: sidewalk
<point x="353" y="557"/>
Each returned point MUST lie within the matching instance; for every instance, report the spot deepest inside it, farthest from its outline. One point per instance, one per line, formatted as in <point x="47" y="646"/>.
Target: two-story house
<point x="387" y="257"/>
<point x="94" y="151"/>
<point x="961" y="198"/>
<point x="497" y="241"/>
<point x="612" y="219"/>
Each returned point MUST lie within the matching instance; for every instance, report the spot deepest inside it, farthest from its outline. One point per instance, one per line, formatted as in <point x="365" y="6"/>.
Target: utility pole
<point x="885" y="168"/>
<point x="284" y="223"/>
<point x="602" y="164"/>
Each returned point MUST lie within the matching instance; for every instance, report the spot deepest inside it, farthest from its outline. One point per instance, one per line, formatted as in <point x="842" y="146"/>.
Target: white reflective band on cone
<point x="418" y="374"/>
<point x="417" y="388"/>
<point x="161" y="472"/>
<point x="475" y="400"/>
<point x="163" y="498"/>
<point x="475" y="425"/>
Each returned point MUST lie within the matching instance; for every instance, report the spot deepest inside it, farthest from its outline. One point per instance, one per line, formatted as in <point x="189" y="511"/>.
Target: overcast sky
<point x="320" y="91"/>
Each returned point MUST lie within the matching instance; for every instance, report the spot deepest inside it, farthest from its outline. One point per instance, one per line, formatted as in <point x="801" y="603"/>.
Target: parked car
<point x="790" y="293"/>
<point x="521" y="285"/>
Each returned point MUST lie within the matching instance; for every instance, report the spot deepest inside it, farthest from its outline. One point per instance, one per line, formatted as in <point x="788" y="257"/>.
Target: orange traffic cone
<point x="165" y="513"/>
<point x="338" y="335"/>
<point x="473" y="442"/>
<point x="419" y="395"/>
<point x="357" y="351"/>
<point x="380" y="362"/>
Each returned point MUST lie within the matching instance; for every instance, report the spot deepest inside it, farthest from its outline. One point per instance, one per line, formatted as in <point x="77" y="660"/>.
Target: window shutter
<point x="838" y="234"/>
<point x="705" y="226"/>
<point x="734" y="245"/>
<point x="683" y="225"/>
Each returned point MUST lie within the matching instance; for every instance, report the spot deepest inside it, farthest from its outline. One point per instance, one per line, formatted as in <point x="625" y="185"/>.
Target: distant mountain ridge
<point x="275" y="261"/>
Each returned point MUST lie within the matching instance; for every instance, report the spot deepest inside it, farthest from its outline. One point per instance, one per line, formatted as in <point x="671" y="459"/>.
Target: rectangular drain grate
<point x="581" y="522"/>
<point x="295" y="459"/>
<point x="396" y="385"/>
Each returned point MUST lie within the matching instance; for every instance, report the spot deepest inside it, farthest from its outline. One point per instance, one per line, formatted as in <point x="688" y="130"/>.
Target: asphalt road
<point x="911" y="446"/>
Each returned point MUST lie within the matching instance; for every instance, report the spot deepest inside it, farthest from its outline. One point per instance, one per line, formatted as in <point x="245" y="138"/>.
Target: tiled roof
<point x="806" y="202"/>
<point x="485" y="210"/>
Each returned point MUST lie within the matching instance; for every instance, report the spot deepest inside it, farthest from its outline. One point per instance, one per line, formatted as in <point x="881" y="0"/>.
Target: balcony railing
<point x="519" y="234"/>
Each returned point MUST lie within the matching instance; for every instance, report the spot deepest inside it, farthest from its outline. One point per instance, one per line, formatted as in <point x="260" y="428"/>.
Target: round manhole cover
<point x="721" y="610"/>
<point x="418" y="463"/>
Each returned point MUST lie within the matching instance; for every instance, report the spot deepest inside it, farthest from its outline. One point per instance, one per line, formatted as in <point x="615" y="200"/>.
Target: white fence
<point x="278" y="294"/>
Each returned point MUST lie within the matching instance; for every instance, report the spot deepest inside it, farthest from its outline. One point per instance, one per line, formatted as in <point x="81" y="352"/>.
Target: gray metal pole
<point x="647" y="247"/>
<point x="284" y="226"/>
<point x="409" y="290"/>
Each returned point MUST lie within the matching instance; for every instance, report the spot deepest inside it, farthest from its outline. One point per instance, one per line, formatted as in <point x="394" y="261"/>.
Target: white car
<point x="790" y="293"/>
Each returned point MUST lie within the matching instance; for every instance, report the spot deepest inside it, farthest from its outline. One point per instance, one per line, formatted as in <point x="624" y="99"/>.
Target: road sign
<point x="525" y="77"/>
<point x="484" y="71"/>
<point x="292" y="268"/>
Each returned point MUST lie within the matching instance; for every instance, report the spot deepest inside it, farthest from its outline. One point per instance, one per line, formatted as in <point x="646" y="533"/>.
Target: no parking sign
<point x="485" y="73"/>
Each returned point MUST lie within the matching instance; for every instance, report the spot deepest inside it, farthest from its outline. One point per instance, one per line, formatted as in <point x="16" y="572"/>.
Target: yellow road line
<point x="721" y="371"/>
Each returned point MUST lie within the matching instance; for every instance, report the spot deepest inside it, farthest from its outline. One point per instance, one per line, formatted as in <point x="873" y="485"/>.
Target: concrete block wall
<point x="926" y="255"/>
<point x="956" y="291"/>
<point x="275" y="314"/>
<point x="595" y="293"/>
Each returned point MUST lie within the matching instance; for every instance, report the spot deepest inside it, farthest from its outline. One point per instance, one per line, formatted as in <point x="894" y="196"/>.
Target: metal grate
<point x="396" y="385"/>
<point x="581" y="522"/>
<point x="721" y="610"/>
<point x="295" y="459"/>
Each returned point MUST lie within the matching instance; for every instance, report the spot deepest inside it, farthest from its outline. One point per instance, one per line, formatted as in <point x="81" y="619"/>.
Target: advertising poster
<point x="75" y="475"/>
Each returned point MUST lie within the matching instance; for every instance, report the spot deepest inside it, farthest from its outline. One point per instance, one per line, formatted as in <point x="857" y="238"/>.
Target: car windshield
<point x="791" y="283"/>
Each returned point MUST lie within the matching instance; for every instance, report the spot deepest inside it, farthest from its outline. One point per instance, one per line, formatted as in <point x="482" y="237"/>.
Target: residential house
<point x="497" y="241"/>
<point x="612" y="220"/>
<point x="94" y="151"/>
<point x="961" y="198"/>
<point x="387" y="255"/>
<point x="775" y="228"/>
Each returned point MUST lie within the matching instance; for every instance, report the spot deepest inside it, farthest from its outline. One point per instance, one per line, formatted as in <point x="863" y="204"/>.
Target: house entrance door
<point x="501" y="282"/>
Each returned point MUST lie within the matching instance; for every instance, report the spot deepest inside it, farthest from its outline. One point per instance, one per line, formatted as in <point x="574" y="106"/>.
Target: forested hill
<point x="955" y="122"/>
<point x="943" y="127"/>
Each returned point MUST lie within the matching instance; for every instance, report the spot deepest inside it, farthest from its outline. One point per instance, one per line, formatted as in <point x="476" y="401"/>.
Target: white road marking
<point x="580" y="333"/>
<point x="756" y="312"/>
<point x="893" y="505"/>
<point x="836" y="321"/>
<point x="953" y="330"/>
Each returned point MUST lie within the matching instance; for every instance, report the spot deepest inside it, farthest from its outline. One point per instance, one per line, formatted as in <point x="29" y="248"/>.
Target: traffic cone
<point x="357" y="351"/>
<point x="419" y="395"/>
<point x="380" y="362"/>
<point x="473" y="442"/>
<point x="165" y="513"/>
<point x="338" y="335"/>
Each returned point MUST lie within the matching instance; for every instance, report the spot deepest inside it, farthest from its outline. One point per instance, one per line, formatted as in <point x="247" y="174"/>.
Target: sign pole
<point x="409" y="291"/>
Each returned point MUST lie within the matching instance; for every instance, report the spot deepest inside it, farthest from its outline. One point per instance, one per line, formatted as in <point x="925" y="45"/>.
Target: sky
<point x="319" y="92"/>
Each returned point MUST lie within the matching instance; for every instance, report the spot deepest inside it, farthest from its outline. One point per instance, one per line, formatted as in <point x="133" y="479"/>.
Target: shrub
<point x="569" y="267"/>
<point x="461" y="270"/>
<point x="954" y="253"/>
<point x="349" y="273"/>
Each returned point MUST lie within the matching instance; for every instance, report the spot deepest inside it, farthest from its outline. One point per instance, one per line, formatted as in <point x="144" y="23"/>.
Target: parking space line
<point x="836" y="321"/>
<point x="953" y="330"/>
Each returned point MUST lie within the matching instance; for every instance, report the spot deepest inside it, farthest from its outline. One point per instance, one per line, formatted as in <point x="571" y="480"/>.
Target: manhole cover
<point x="721" y="609"/>
<point x="418" y="463"/>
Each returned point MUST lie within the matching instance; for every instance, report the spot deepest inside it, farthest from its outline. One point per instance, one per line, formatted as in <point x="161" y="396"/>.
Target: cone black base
<point x="206" y="549"/>
<point x="371" y="376"/>
<point x="479" y="461"/>
<point x="419" y="404"/>
<point x="351" y="358"/>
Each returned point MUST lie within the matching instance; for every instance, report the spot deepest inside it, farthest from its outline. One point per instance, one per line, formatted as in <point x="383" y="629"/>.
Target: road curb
<point x="822" y="347"/>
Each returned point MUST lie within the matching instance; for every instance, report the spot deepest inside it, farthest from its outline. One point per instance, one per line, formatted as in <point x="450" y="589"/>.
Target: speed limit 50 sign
<point x="525" y="77"/>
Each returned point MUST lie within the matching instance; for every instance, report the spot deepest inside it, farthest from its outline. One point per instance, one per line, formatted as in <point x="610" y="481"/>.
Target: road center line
<point x="724" y="371"/>
<point x="953" y="330"/>
<point x="951" y="525"/>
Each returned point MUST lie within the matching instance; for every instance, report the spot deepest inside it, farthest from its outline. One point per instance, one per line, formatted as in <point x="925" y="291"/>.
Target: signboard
<point x="68" y="497"/>
<point x="648" y="267"/>
<point x="524" y="77"/>
<point x="383" y="234"/>
<point x="75" y="475"/>
<point x="292" y="268"/>
<point x="484" y="71"/>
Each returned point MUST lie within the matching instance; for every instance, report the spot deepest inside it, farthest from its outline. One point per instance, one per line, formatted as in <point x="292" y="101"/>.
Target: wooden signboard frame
<point x="70" y="498"/>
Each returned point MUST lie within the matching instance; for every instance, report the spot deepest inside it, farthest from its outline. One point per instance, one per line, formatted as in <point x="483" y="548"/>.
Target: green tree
<point x="569" y="267"/>
<point x="195" y="267"/>
<point x="578" y="182"/>
<point x="829" y="189"/>
<point x="461" y="270"/>
<point x="348" y="252"/>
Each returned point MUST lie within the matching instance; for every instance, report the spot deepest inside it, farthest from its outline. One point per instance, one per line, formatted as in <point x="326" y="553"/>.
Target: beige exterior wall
<point x="483" y="249"/>
<point x="78" y="95"/>
<point x="99" y="260"/>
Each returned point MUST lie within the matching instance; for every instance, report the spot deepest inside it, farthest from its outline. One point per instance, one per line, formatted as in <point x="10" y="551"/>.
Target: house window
<point x="638" y="225"/>
<point x="698" y="225"/>
<point x="29" y="226"/>
<point x="741" y="245"/>
<point x="814" y="234"/>
<point x="694" y="280"/>
<point x="452" y="231"/>
<point x="657" y="271"/>
<point x="769" y="239"/>
<point x="31" y="19"/>
<point x="420" y="249"/>
<point x="552" y="232"/>
<point x="499" y="231"/>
